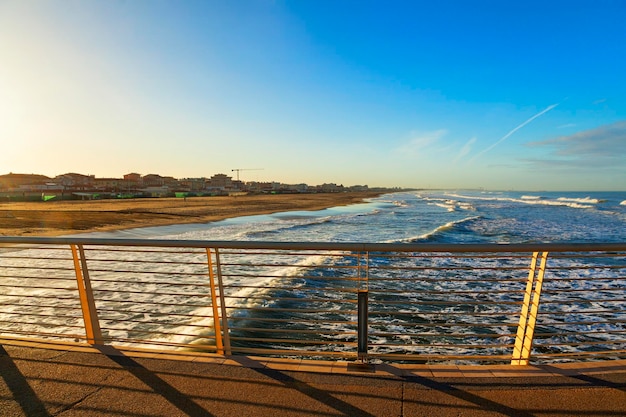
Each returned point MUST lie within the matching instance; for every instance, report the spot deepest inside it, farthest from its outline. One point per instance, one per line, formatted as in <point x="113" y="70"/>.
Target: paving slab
<point x="87" y="381"/>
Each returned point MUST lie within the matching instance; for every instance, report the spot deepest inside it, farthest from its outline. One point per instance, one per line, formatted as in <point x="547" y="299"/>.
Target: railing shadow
<point x="158" y="385"/>
<point x="460" y="387"/>
<point x="482" y="403"/>
<point x="101" y="385"/>
<point x="474" y="402"/>
<point x="22" y="392"/>
<point x="586" y="378"/>
<point x="314" y="393"/>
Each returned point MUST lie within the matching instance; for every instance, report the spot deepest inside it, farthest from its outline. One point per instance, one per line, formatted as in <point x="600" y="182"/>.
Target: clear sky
<point x="527" y="95"/>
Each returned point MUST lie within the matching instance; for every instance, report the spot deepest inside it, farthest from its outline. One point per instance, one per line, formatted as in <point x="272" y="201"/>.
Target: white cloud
<point x="604" y="146"/>
<point x="419" y="142"/>
<point x="465" y="149"/>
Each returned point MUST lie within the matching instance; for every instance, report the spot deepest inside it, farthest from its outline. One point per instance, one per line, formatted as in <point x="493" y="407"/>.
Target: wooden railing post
<point x="530" y="309"/>
<point x="220" y="286"/>
<point x="216" y="316"/>
<point x="87" y="304"/>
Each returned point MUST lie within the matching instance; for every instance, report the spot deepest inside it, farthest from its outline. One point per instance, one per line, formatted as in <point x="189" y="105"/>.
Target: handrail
<point x="339" y="246"/>
<point x="363" y="301"/>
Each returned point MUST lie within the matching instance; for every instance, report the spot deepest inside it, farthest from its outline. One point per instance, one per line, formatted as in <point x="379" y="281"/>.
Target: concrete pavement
<point x="40" y="379"/>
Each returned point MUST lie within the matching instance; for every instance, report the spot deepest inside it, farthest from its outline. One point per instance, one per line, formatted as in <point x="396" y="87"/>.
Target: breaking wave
<point x="578" y="203"/>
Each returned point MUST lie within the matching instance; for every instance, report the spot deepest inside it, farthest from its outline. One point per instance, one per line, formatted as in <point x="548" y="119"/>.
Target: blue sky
<point x="452" y="94"/>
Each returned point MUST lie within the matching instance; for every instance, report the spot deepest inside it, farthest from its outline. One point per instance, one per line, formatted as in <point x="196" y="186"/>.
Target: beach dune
<point x="55" y="218"/>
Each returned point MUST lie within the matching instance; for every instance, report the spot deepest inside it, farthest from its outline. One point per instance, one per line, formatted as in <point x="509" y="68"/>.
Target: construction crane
<point x="245" y="169"/>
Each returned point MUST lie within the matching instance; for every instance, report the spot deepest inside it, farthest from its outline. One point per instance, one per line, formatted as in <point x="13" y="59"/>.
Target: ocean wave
<point x="623" y="203"/>
<point x="449" y="207"/>
<point x="303" y="223"/>
<point x="563" y="201"/>
<point x="466" y="206"/>
<point x="586" y="200"/>
<point x="531" y="197"/>
<point x="429" y="235"/>
<point x="280" y="229"/>
<point x="449" y="204"/>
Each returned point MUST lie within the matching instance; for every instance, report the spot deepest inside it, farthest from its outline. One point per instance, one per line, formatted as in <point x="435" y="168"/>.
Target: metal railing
<point x="398" y="302"/>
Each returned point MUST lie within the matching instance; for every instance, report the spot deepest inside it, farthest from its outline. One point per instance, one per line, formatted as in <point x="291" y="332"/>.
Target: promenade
<point x="40" y="379"/>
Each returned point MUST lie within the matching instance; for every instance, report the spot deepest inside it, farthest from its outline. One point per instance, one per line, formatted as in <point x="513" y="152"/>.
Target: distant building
<point x="134" y="177"/>
<point x="262" y="187"/>
<point x="193" y="184"/>
<point x="294" y="188"/>
<point x="131" y="182"/>
<point x="220" y="181"/>
<point x="152" y="180"/>
<point x="76" y="181"/>
<point x="109" y="184"/>
<point x="330" y="188"/>
<point x="358" y="188"/>
<point x="11" y="180"/>
<point x="170" y="182"/>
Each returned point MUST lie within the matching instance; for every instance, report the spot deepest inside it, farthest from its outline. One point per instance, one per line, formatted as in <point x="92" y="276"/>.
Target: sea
<point x="426" y="216"/>
<point x="430" y="216"/>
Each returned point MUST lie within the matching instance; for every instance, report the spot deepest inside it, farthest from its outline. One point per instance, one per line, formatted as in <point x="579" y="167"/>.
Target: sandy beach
<point x="55" y="218"/>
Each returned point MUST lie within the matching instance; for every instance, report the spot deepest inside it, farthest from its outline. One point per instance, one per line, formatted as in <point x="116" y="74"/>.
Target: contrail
<point x="505" y="137"/>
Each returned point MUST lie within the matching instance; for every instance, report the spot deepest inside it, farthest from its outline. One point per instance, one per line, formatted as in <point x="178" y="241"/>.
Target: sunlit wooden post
<point x="87" y="303"/>
<point x="530" y="309"/>
<point x="220" y="286"/>
<point x="216" y="317"/>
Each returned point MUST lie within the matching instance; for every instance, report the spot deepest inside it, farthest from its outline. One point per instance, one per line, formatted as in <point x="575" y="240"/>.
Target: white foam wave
<point x="449" y="204"/>
<point x="623" y="203"/>
<point x="586" y="200"/>
<point x="275" y="228"/>
<point x="439" y="229"/>
<point x="466" y="206"/>
<point x="572" y="203"/>
<point x="448" y="207"/>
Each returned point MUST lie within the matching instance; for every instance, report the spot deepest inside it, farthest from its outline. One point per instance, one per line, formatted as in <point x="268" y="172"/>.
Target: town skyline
<point x="81" y="186"/>
<point x="136" y="176"/>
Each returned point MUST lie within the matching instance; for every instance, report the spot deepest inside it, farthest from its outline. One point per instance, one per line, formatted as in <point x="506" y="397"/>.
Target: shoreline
<point x="57" y="218"/>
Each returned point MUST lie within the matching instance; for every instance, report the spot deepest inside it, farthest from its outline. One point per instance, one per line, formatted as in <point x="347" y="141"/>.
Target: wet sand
<point x="55" y="218"/>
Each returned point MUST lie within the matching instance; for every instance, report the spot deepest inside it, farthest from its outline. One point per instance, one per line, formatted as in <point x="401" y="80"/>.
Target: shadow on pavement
<point x="19" y="387"/>
<point x="158" y="385"/>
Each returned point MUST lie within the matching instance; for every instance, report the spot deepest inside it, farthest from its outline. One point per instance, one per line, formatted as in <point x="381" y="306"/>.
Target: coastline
<point x="56" y="218"/>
